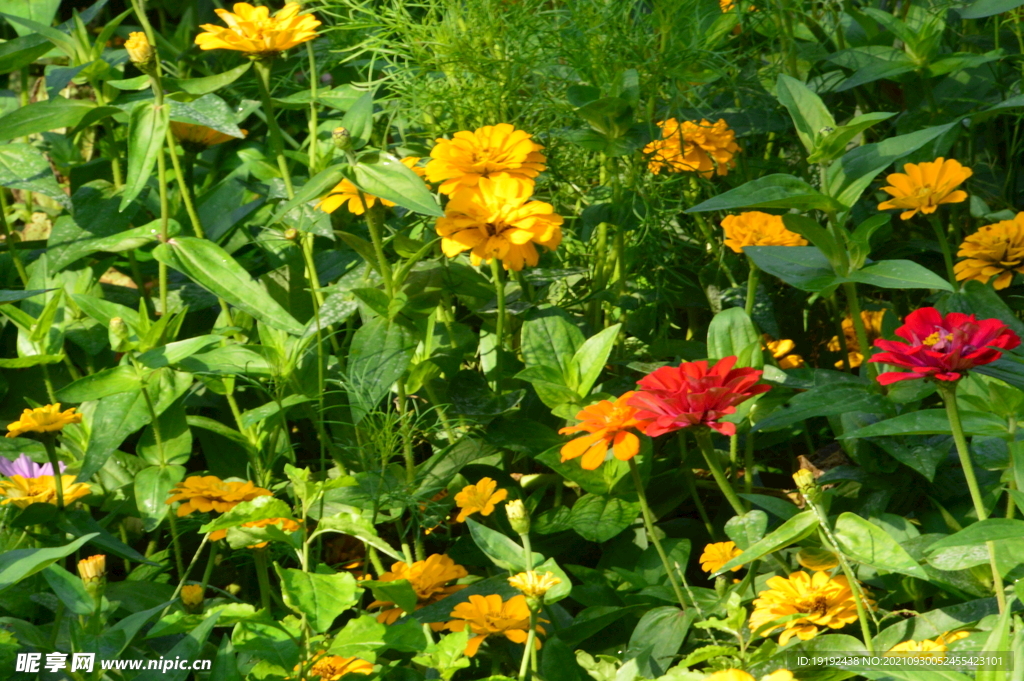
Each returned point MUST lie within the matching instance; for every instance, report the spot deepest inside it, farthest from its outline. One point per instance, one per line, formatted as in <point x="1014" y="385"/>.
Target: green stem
<point x="165" y="213"/>
<point x="858" y="594"/>
<point x="527" y="551"/>
<point x="707" y="448"/>
<point x="531" y="637"/>
<point x="263" y="577"/>
<point x="12" y="239"/>
<point x="183" y="188"/>
<point x="948" y="393"/>
<point x="499" y="330"/>
<point x="691" y="484"/>
<point x="748" y="463"/>
<point x="210" y="562"/>
<point x="375" y="223"/>
<point x="751" y="289"/>
<point x="172" y="519"/>
<point x="947" y="255"/>
<point x="645" y="508"/>
<point x="51" y="454"/>
<point x="313" y="120"/>
<point x="850" y="289"/>
<point x="276" y="141"/>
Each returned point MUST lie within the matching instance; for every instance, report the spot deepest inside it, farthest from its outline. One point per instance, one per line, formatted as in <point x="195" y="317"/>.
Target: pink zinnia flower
<point x="673" y="398"/>
<point x="943" y="348"/>
<point x="26" y="467"/>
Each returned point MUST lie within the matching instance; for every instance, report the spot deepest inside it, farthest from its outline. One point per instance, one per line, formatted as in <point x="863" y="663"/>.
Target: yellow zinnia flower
<point x="717" y="555"/>
<point x="491" y="151"/>
<point x="140" y="52"/>
<point x="210" y="493"/>
<point x="781" y="350"/>
<point x="347" y="193"/>
<point x="817" y="559"/>
<point x="252" y="30"/>
<point x="479" y="497"/>
<point x="23" y="492"/>
<point x="336" y="667"/>
<point x="48" y="419"/>
<point x="495" y="220"/>
<point x="827" y="602"/>
<point x="488" y="615"/>
<point x="704" y="147"/>
<point x="534" y="584"/>
<point x="92" y="569"/>
<point x="192" y="595"/>
<point x="779" y="675"/>
<point x="429" y="579"/>
<point x="285" y="525"/>
<point x="993" y="251"/>
<point x="872" y="326"/>
<point x="729" y="675"/>
<point x="755" y="228"/>
<point x="925" y="186"/>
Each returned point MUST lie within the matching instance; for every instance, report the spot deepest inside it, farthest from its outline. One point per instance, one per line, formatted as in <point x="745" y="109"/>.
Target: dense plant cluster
<point x="496" y="340"/>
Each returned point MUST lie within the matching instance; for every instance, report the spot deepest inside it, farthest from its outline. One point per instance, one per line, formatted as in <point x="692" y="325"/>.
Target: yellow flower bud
<point x="518" y="516"/>
<point x="192" y="597"/>
<point x="807" y="485"/>
<point x="342" y="138"/>
<point x="291" y="234"/>
<point x="533" y="584"/>
<point x="139" y="49"/>
<point x="93" y="568"/>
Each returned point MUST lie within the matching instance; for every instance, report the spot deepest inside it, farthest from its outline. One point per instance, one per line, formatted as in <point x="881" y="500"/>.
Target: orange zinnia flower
<point x="210" y="493"/>
<point x="252" y="30"/>
<point x="479" y="497"/>
<point x="428" y="578"/>
<point x="491" y="151"/>
<point x="487" y="615"/>
<point x="608" y="424"/>
<point x="925" y="186"/>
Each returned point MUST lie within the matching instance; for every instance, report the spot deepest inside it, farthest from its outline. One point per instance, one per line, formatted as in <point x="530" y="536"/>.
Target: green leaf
<point x="804" y="267"/>
<point x="210" y="111"/>
<point x="260" y="508"/>
<point x="932" y="422"/>
<point x="902" y="274"/>
<point x="598" y="518"/>
<point x="22" y="166"/>
<point x="18" y="564"/>
<point x="147" y="132"/>
<point x="979" y="9"/>
<point x="39" y="11"/>
<point x="175" y="352"/>
<point x="22" y="51"/>
<point x="96" y="386"/>
<point x="321" y="598"/>
<point x="152" y="487"/>
<point x="399" y="592"/>
<point x="732" y="334"/>
<point x="992" y="529"/>
<point x="47" y="115"/>
<point x="380" y="353"/>
<point x="17" y="296"/>
<point x="188" y="648"/>
<point x="318" y="186"/>
<point x="441" y="611"/>
<point x="387" y="178"/>
<point x="868" y="543"/>
<point x="817" y="235"/>
<point x="747" y="529"/>
<point x="588" y="362"/>
<point x="359" y="636"/>
<point x="207" y="84"/>
<point x="825" y="400"/>
<point x="502" y="551"/>
<point x="70" y="590"/>
<point x="175" y="445"/>
<point x="772" y="191"/>
<point x="810" y="115"/>
<point x="30" y="361"/>
<point x="550" y="385"/>
<point x="791" y="531"/>
<point x="354" y="525"/>
<point x="834" y="144"/>
<point x="358" y="121"/>
<point x="657" y="638"/>
<point x="549" y="337"/>
<point x="214" y="269"/>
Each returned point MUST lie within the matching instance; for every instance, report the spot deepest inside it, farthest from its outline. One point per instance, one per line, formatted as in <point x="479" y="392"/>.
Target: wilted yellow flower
<point x="192" y="595"/>
<point x="429" y="579"/>
<point x="782" y="351"/>
<point x="925" y="186"/>
<point x="872" y="327"/>
<point x="491" y="151"/>
<point x="828" y="602"/>
<point x="755" y="228"/>
<point x="196" y="138"/>
<point x="533" y="584"/>
<point x="704" y="147"/>
<point x="336" y="667"/>
<point x="210" y="493"/>
<point x="488" y="615"/>
<point x="48" y="419"/>
<point x="993" y="251"/>
<point x="817" y="559"/>
<point x="252" y="30"/>
<point x="140" y="52"/>
<point x="23" y="492"/>
<point x="495" y="219"/>
<point x="93" y="569"/>
<point x="479" y="497"/>
<point x="717" y="555"/>
<point x="347" y="193"/>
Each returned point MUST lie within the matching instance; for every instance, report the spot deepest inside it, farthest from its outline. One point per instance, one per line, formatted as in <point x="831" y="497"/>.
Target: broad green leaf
<point x="386" y="177"/>
<point x="22" y="51"/>
<point x="175" y="443"/>
<point x="747" y="529"/>
<point x="731" y="333"/>
<point x="359" y="636"/>
<point x="173" y="353"/>
<point x="380" y="353"/>
<point x="399" y="592"/>
<point x="825" y="400"/>
<point x="804" y="267"/>
<point x="867" y="543"/>
<point x="502" y="551"/>
<point x="17" y="296"/>
<point x="18" y="564"/>
<point x="321" y="598"/>
<point x="214" y="269"/>
<point x="358" y="121"/>
<point x="260" y="508"/>
<point x="356" y="526"/>
<point x="46" y="115"/>
<point x="793" y="530"/>
<point x="230" y="359"/>
<point x="207" y="84"/>
<point x="657" y="638"/>
<point x="441" y="610"/>
<point x="992" y="529"/>
<point x="932" y="422"/>
<point x="147" y="132"/>
<point x="318" y="186"/>
<point x="598" y="518"/>
<point x="30" y="361"/>
<point x="22" y="166"/>
<point x="96" y="386"/>
<point x="39" y="11"/>
<point x="901" y="274"/>
<point x="81" y="245"/>
<point x="210" y="111"/>
<point x="549" y="337"/>
<point x="188" y="648"/>
<point x="810" y="115"/>
<point x="255" y="416"/>
<point x="590" y="359"/>
<point x="550" y="385"/>
<point x="70" y="590"/>
<point x="152" y="487"/>
<point x="980" y="9"/>
<point x="817" y="235"/>
<point x="772" y="191"/>
<point x="832" y="145"/>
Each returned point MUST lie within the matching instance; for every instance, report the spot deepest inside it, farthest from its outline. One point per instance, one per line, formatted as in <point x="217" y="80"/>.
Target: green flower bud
<point x="119" y="335"/>
<point x="518" y="516"/>
<point x="342" y="139"/>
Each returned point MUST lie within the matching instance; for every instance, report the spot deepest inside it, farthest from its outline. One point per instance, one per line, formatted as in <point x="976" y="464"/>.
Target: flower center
<point x="937" y="338"/>
<point x="818" y="605"/>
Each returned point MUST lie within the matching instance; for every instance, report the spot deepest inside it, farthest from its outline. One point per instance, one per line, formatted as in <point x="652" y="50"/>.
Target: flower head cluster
<point x="252" y="30"/>
<point x="210" y="493"/>
<point x="608" y="424"/>
<point x="430" y="580"/>
<point x="873" y="328"/>
<point x="347" y="194"/>
<point x="754" y="228"/>
<point x="335" y="667"/>
<point x="695" y="394"/>
<point x="827" y="602"/>
<point x="23" y="492"/>
<point x="492" y="151"/>
<point x="925" y="186"/>
<point x="704" y="148"/>
<point x="533" y="584"/>
<point x="782" y="351"/>
<point x="993" y="251"/>
<point x="479" y="498"/>
<point x="48" y="419"/>
<point x="489" y="615"/>
<point x="718" y="554"/>
<point x="943" y="347"/>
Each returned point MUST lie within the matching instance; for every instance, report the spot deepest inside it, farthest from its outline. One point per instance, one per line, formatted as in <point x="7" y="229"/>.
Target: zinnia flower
<point x="48" y="419"/>
<point x="491" y="151"/>
<point x="925" y="186"/>
<point x="347" y="193"/>
<point x="210" y="493"/>
<point x="140" y="52"/>
<point x="943" y="348"/>
<point x="480" y="497"/>
<point x="26" y="467"/>
<point x="192" y="595"/>
<point x="608" y="424"/>
<point x="755" y="228"/>
<point x="717" y="555"/>
<point x="729" y="675"/>
<point x="23" y="492"/>
<point x="488" y="615"/>
<point x="252" y="30"/>
<point x="692" y="394"/>
<point x="703" y="147"/>
<point x="92" y="569"/>
<point x="429" y="579"/>
<point x="782" y="351"/>
<point x="872" y="327"/>
<point x="993" y="251"/>
<point x="198" y="138"/>
<point x="534" y="584"/>
<point x="494" y="219"/>
<point x="828" y="602"/>
<point x="336" y="667"/>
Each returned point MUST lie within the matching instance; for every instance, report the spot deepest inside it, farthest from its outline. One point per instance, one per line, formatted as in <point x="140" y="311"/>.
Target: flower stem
<point x="751" y="288"/>
<point x="531" y="636"/>
<point x="263" y="577"/>
<point x="313" y="120"/>
<point x="58" y="479"/>
<point x="947" y="255"/>
<point x="649" y="526"/>
<point x="499" y="330"/>
<point x="858" y="593"/>
<point x="210" y="562"/>
<point x="375" y="223"/>
<point x="707" y="448"/>
<point x="183" y="187"/>
<point x="850" y="289"/>
<point x="527" y="551"/>
<point x="12" y="241"/>
<point x="948" y="393"/>
<point x="276" y="141"/>
<point x="172" y="519"/>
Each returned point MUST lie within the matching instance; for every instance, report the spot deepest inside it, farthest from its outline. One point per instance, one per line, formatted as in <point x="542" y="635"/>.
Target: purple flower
<point x="26" y="467"/>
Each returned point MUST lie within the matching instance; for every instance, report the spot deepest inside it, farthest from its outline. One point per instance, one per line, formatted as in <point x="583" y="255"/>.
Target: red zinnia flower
<point x="943" y="347"/>
<point x="691" y="394"/>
